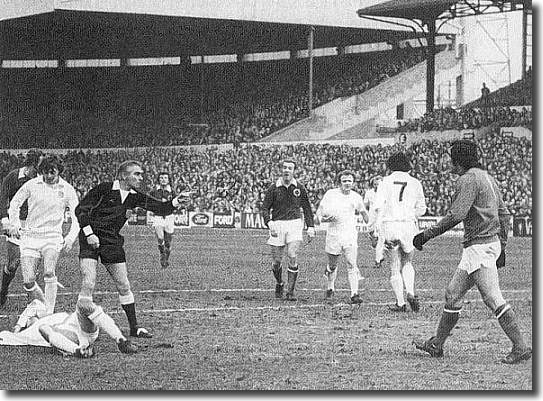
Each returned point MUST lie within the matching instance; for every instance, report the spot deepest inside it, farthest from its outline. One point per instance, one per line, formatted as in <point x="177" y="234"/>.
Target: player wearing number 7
<point x="399" y="201"/>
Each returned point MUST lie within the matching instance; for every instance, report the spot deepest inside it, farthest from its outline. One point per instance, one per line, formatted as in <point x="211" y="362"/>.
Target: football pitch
<point x="217" y="325"/>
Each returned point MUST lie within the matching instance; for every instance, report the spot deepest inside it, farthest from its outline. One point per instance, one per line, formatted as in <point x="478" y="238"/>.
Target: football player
<point x="164" y="224"/>
<point x="377" y="240"/>
<point x="338" y="208"/>
<point x="399" y="202"/>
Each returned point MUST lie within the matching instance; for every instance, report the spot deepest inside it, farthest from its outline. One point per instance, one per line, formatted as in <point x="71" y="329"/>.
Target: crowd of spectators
<point x="468" y="118"/>
<point x="504" y="107"/>
<point x="237" y="178"/>
<point x="199" y="104"/>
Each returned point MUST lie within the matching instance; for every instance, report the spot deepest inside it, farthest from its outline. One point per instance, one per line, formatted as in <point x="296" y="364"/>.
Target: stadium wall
<point x="522" y="227"/>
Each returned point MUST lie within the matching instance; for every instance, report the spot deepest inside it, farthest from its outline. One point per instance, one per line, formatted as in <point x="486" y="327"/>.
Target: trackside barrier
<point x="522" y="226"/>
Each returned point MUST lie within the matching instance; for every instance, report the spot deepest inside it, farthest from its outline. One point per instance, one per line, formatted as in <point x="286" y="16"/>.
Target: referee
<point x="101" y="214"/>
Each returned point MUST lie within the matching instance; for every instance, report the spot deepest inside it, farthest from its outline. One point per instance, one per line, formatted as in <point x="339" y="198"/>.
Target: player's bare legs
<point x="159" y="233"/>
<point x="292" y="269"/>
<point x="277" y="270"/>
<point x="28" y="268"/>
<point x="88" y="273"/>
<point x="168" y="236"/>
<point x="119" y="274"/>
<point x="330" y="274"/>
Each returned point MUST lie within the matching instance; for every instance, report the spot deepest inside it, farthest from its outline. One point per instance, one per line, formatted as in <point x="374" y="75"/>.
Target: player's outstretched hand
<point x="419" y="240"/>
<point x="500" y="262"/>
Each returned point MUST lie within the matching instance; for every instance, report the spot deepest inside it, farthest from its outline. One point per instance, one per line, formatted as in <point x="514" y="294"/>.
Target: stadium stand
<point x="506" y="107"/>
<point x="159" y="106"/>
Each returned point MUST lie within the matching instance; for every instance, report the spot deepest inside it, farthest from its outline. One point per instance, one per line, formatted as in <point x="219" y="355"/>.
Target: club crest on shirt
<point x="296" y="192"/>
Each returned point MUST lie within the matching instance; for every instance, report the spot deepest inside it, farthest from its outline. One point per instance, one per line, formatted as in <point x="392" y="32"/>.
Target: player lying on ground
<point x="75" y="336"/>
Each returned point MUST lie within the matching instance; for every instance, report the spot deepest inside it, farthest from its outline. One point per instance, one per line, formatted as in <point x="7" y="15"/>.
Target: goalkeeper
<point x="338" y="208"/>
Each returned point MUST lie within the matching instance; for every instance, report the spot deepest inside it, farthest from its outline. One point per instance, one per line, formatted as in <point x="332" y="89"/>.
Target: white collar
<point x="22" y="172"/>
<point x="280" y="182"/>
<point x="117" y="187"/>
<point x="39" y="180"/>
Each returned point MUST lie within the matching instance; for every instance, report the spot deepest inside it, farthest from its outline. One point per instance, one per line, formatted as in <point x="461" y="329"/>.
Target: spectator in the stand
<point x="250" y="169"/>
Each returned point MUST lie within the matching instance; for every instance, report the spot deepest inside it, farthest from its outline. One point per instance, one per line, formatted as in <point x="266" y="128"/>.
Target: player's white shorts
<point x="478" y="256"/>
<point x="287" y="231"/>
<point x="167" y="222"/>
<point x="399" y="233"/>
<point x="337" y="244"/>
<point x="34" y="245"/>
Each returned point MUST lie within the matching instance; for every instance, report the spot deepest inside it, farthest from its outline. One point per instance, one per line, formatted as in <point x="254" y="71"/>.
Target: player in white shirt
<point x="338" y="208"/>
<point x="377" y="241"/>
<point x="71" y="334"/>
<point x="48" y="196"/>
<point x="399" y="201"/>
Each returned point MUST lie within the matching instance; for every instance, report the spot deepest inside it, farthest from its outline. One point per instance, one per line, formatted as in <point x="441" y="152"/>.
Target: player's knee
<point x="123" y="288"/>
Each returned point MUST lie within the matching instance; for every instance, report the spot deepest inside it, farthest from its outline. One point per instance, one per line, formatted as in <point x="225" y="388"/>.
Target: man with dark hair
<point x="102" y="213"/>
<point x="164" y="224"/>
<point x="48" y="196"/>
<point x="338" y="208"/>
<point x="10" y="185"/>
<point x="399" y="202"/>
<point x="479" y="205"/>
<point x="282" y="207"/>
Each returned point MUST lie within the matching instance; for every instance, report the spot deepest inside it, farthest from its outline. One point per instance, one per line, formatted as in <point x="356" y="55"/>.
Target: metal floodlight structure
<point x="425" y="15"/>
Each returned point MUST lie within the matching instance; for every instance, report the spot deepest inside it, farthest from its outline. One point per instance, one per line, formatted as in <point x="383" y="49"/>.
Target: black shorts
<point x="107" y="253"/>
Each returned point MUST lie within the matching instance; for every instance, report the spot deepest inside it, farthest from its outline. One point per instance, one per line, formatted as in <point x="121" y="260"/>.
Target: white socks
<point x="397" y="286"/>
<point x="408" y="274"/>
<point x="51" y="287"/>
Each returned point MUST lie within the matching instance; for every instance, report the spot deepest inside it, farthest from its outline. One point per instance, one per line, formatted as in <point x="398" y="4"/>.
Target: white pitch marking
<point x="267" y="307"/>
<point x="218" y="290"/>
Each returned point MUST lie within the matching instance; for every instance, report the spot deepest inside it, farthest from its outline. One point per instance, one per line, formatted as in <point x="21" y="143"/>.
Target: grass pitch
<point x="217" y="325"/>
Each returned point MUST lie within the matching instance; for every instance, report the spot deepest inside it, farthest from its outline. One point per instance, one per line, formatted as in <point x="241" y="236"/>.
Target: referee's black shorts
<point x="109" y="252"/>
